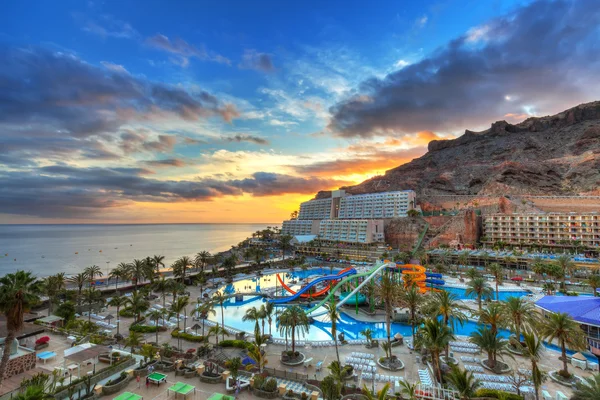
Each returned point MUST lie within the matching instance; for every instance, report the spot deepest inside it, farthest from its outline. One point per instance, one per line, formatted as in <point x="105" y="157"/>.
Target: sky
<point x="235" y="111"/>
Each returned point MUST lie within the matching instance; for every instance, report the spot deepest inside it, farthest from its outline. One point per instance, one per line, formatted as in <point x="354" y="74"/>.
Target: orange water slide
<point x="415" y="274"/>
<point x="316" y="294"/>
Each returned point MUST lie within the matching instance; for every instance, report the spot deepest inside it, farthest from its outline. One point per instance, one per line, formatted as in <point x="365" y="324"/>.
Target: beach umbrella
<point x="516" y="278"/>
<point x="109" y="317"/>
<point x="196" y="327"/>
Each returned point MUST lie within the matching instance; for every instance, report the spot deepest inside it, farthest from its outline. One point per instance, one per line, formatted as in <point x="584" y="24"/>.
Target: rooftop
<point x="582" y="308"/>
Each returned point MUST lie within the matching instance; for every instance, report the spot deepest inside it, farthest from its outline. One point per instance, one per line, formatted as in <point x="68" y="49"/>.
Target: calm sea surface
<point x="48" y="249"/>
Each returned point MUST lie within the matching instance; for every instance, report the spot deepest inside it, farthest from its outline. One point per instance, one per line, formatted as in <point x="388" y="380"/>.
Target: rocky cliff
<point x="557" y="154"/>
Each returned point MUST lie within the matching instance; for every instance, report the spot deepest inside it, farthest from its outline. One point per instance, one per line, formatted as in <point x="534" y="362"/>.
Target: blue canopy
<point x="583" y="309"/>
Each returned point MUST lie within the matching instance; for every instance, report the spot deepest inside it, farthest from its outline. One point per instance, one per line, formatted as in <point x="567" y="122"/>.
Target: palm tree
<point x="491" y="343"/>
<point x="118" y="301"/>
<point x="263" y="315"/>
<point x="473" y="273"/>
<point x="496" y="270"/>
<point x="138" y="270"/>
<point x="253" y="314"/>
<point x="463" y="382"/>
<point x="201" y="259"/>
<point x="333" y="315"/>
<point x="92" y="296"/>
<point x="179" y="306"/>
<point x="156" y="315"/>
<point x="204" y="310"/>
<point x="587" y="390"/>
<point x="134" y="339"/>
<point x="566" y="331"/>
<point x="293" y="320"/>
<point x="479" y="288"/>
<point x="258" y="356"/>
<point x="519" y="314"/>
<point x="162" y="286"/>
<point x="412" y="299"/>
<point x="382" y="394"/>
<point x="269" y="311"/>
<point x="409" y="389"/>
<point x="138" y="304"/>
<point x="368" y="334"/>
<point x="337" y="372"/>
<point x="566" y="265"/>
<point x="284" y="244"/>
<point x="219" y="298"/>
<point x="493" y="315"/>
<point x="330" y="388"/>
<point x="52" y="286"/>
<point x="180" y="267"/>
<point x="434" y="336"/>
<point x="594" y="282"/>
<point x="157" y="262"/>
<point x="532" y="349"/>
<point x="234" y="365"/>
<point x="92" y="272"/>
<point x="19" y="291"/>
<point x="121" y="271"/>
<point x="217" y="330"/>
<point x="387" y="291"/>
<point x="78" y="280"/>
<point x="446" y="305"/>
<point x="538" y="266"/>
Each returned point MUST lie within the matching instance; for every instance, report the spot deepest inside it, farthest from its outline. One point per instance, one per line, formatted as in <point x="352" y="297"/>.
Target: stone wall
<point x="464" y="228"/>
<point x="18" y="365"/>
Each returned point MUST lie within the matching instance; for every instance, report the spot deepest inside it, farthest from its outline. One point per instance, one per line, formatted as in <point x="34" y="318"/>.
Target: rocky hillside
<point x="557" y="154"/>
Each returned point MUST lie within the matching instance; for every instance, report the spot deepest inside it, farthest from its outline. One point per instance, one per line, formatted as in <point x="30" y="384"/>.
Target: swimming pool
<point x="504" y="295"/>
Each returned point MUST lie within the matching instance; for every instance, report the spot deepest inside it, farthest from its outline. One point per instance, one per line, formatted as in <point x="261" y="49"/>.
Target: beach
<point x="50" y="249"/>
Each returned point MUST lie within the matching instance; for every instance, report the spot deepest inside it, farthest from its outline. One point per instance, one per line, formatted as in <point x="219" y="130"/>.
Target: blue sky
<point x="249" y="103"/>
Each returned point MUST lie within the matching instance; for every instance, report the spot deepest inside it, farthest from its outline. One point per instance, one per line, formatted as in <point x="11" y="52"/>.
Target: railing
<point x="286" y="374"/>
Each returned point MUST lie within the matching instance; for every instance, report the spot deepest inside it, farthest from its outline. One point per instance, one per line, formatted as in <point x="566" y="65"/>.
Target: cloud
<point x="544" y="53"/>
<point x="421" y="22"/>
<point x="246" y="138"/>
<point x="114" y="67"/>
<point x="169" y="162"/>
<point x="68" y="192"/>
<point x="401" y="64"/>
<point x="257" y="61"/>
<point x="183" y="51"/>
<point x="53" y="103"/>
<point x="106" y="26"/>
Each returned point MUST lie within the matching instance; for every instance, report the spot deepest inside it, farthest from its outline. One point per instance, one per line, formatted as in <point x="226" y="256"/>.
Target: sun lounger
<point x="560" y="395"/>
<point x="546" y="395"/>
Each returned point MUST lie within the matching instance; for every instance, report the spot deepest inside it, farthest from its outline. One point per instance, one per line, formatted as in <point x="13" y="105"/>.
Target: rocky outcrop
<point x="557" y="154"/>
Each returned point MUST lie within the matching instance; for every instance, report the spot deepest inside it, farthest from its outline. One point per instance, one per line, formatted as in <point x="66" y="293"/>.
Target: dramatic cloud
<point x="183" y="51"/>
<point x="64" y="191"/>
<point x="542" y="56"/>
<point x="171" y="162"/>
<point x="246" y="138"/>
<point x="52" y="104"/>
<point x="258" y="61"/>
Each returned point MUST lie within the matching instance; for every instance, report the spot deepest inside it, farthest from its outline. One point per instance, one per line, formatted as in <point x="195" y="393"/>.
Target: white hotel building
<point x="350" y="218"/>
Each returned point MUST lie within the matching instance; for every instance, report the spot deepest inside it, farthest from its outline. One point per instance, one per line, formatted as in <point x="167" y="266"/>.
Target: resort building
<point x="352" y="231"/>
<point x="585" y="310"/>
<point x="377" y="205"/>
<point x="553" y="229"/>
<point x="295" y="227"/>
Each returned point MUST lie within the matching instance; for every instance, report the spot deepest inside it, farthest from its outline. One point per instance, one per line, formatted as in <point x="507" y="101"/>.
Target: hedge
<point x="126" y="312"/>
<point x="143" y="328"/>
<point x="497" y="394"/>
<point x="187" y="336"/>
<point x="240" y="344"/>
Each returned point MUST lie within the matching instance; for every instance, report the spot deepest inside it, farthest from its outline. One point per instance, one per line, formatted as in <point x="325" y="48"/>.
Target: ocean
<point x="49" y="249"/>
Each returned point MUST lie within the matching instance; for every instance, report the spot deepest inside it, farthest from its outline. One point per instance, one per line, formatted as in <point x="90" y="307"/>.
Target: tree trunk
<point x="337" y="353"/>
<point x="118" y="320"/>
<point x="222" y="323"/>
<point x="10" y="337"/>
<point x="564" y="357"/>
<point x="479" y="302"/>
<point x="293" y="338"/>
<point x="497" y="292"/>
<point x="388" y="324"/>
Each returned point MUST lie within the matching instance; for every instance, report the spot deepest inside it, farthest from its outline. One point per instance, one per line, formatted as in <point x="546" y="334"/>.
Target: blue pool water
<point x="504" y="295"/>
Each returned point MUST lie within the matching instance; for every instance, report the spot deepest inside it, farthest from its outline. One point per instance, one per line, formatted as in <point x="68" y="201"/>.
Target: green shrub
<point x="259" y="381"/>
<point x="143" y="328"/>
<point x="240" y="344"/>
<point x="497" y="394"/>
<point x="270" y="385"/>
<point x="187" y="336"/>
<point x="126" y="312"/>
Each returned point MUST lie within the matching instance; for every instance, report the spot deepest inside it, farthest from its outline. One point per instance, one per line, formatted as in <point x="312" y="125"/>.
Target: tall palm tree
<point x="121" y="271"/>
<point x="381" y="394"/>
<point x="155" y="315"/>
<point x="201" y="259"/>
<point x="118" y="301"/>
<point x="204" y="310"/>
<point x="200" y="280"/>
<point x="217" y="330"/>
<point x="19" y="291"/>
<point x="538" y="266"/>
<point x="491" y="343"/>
<point x="133" y="340"/>
<point x="138" y="271"/>
<point x="446" y="305"/>
<point x="158" y="261"/>
<point x="78" y="280"/>
<point x="387" y="291"/>
<point x="284" y="244"/>
<point x="566" y="331"/>
<point x="178" y="306"/>
<point x="162" y="286"/>
<point x="587" y="390"/>
<point x="258" y="356"/>
<point x="532" y="350"/>
<point x="263" y="315"/>
<point x="180" y="267"/>
<point x="594" y="282"/>
<point x="220" y="298"/>
<point x="497" y="271"/>
<point x="269" y="311"/>
<point x="566" y="265"/>
<point x="138" y="304"/>
<point x="92" y="296"/>
<point x="333" y="315"/>
<point x="479" y="288"/>
<point x="493" y="315"/>
<point x="434" y="336"/>
<point x="253" y="314"/>
<point x="294" y="320"/>
<point x="52" y="286"/>
<point x="463" y="382"/>
<point x="520" y="314"/>
<point x="412" y="299"/>
<point x="92" y="272"/>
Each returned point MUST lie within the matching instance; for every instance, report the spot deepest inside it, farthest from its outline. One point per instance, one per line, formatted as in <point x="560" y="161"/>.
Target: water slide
<point x="369" y="275"/>
<point x="307" y="295"/>
<point x="350" y="272"/>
